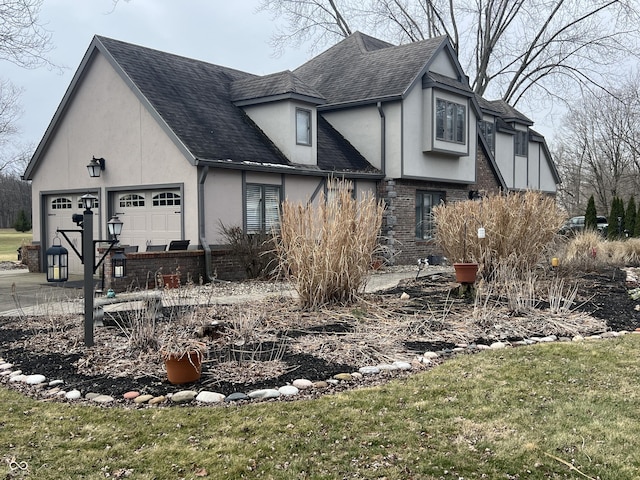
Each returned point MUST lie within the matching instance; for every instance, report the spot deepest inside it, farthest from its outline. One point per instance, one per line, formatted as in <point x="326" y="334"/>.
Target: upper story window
<point x="262" y="204"/>
<point x="521" y="143"/>
<point x="488" y="131"/>
<point x="131" y="200"/>
<point x="303" y="127"/>
<point x="451" y="119"/>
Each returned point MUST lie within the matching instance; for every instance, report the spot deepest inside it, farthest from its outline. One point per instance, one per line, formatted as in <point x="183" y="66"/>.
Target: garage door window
<point x="61" y="203"/>
<point x="131" y="200"/>
<point x="263" y="207"/>
<point x="166" y="199"/>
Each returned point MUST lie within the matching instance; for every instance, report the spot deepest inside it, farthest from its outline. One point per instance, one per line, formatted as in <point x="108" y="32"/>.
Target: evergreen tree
<point x="617" y="212"/>
<point x="630" y="216"/>
<point x="22" y="224"/>
<point x="636" y="231"/>
<point x="590" y="216"/>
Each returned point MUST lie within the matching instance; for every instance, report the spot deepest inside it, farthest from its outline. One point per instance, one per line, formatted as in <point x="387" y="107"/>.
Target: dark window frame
<point x="261" y="219"/>
<point x="424" y="224"/>
<point x="447" y="121"/>
<point x="303" y="138"/>
<point x="521" y="143"/>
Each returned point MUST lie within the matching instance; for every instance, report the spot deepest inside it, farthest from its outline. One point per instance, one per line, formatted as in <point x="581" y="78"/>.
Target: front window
<point x="303" y="127"/>
<point x="522" y="141"/>
<point x="451" y="119"/>
<point x="487" y="129"/>
<point x="425" y="201"/>
<point x="263" y="207"/>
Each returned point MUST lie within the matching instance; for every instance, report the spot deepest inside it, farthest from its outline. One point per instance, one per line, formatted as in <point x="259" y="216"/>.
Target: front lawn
<point x="561" y="410"/>
<point x="10" y="241"/>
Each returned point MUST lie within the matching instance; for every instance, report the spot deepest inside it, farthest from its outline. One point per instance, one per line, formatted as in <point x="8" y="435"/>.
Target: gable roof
<point x="192" y="101"/>
<point x="350" y="71"/>
<point x="277" y="86"/>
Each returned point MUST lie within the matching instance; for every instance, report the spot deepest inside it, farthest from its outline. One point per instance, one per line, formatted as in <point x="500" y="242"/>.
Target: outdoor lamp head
<point x="96" y="165"/>
<point x="89" y="201"/>
<point x="115" y="226"/>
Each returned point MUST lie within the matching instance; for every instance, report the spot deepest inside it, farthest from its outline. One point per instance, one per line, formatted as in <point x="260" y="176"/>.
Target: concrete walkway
<point x="24" y="293"/>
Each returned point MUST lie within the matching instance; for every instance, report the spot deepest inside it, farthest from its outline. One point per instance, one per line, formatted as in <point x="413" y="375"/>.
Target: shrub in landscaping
<point x="588" y="251"/>
<point x="327" y="248"/>
<point x="254" y="251"/>
<point x="591" y="216"/>
<point x="518" y="227"/>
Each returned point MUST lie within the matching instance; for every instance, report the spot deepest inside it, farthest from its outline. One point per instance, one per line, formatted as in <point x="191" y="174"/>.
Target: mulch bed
<point x="281" y="343"/>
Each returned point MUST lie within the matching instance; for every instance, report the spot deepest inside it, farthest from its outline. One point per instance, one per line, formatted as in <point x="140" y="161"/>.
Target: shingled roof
<point x="362" y="68"/>
<point x="193" y="98"/>
<point x="273" y="87"/>
<point x="196" y="101"/>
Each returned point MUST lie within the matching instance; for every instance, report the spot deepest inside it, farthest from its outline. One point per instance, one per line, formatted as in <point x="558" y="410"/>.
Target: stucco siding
<point x="223" y="194"/>
<point x="418" y="112"/>
<point x="362" y="127"/>
<point x="278" y="121"/>
<point x="504" y="157"/>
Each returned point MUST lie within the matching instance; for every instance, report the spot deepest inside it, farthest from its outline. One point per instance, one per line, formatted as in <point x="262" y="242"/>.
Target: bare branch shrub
<point x="327" y="248"/>
<point x="254" y="251"/>
<point x="518" y="226"/>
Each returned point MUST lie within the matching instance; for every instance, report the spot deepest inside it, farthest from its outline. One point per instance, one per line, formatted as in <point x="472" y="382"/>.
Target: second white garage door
<point x="150" y="217"/>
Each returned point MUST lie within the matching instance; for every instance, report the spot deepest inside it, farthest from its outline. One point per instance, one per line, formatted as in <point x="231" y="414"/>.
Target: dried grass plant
<point x="327" y="248"/>
<point x="518" y="226"/>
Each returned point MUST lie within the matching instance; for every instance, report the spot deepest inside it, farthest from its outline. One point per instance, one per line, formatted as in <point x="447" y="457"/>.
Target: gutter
<point x="201" y="225"/>
<point x="383" y="144"/>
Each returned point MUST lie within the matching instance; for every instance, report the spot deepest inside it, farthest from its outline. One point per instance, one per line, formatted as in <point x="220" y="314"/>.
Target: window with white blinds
<point x="262" y="207"/>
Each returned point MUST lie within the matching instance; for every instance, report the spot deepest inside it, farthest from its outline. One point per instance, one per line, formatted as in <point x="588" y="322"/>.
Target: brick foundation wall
<point x="144" y="267"/>
<point x="31" y="257"/>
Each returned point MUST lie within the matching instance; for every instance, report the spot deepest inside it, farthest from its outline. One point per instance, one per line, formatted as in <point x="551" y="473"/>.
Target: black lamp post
<point x="87" y="257"/>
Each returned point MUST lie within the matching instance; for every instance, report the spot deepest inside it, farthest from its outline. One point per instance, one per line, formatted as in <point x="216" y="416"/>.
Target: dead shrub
<point x="254" y="251"/>
<point x="327" y="248"/>
<point x="518" y="226"/>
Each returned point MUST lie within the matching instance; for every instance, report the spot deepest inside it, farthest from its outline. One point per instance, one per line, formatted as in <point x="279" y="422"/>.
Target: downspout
<point x="201" y="225"/>
<point x="383" y="145"/>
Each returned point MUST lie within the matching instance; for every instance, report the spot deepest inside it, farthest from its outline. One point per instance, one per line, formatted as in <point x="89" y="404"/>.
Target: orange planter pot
<point x="171" y="281"/>
<point x="466" y="272"/>
<point x="184" y="369"/>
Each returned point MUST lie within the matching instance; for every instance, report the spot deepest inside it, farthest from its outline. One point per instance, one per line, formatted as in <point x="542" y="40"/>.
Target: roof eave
<point x="280" y="97"/>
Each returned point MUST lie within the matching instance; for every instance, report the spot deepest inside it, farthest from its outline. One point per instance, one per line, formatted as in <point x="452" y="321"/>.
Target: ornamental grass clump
<point x="518" y="227"/>
<point x="326" y="248"/>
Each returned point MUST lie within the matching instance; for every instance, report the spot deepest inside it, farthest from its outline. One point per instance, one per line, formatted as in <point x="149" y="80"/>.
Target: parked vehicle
<point x="576" y="224"/>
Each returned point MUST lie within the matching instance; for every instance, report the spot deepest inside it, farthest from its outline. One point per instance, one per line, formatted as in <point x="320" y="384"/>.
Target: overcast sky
<point x="224" y="32"/>
<point x="228" y="33"/>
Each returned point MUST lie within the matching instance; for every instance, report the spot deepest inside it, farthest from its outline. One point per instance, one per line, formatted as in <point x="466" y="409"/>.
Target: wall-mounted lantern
<point x="57" y="262"/>
<point x="119" y="264"/>
<point x="96" y="165"/>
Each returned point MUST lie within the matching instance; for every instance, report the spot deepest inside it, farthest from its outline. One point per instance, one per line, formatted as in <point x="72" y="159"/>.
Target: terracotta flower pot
<point x="466" y="272"/>
<point x="184" y="369"/>
<point x="171" y="281"/>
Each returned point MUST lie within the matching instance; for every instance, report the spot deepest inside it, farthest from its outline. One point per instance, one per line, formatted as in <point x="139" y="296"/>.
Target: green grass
<point x="544" y="412"/>
<point x="10" y="240"/>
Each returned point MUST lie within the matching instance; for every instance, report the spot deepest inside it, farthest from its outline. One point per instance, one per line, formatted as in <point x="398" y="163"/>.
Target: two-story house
<point x="188" y="145"/>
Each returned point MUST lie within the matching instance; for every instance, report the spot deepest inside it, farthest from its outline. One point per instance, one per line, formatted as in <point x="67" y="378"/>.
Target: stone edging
<point x="54" y="388"/>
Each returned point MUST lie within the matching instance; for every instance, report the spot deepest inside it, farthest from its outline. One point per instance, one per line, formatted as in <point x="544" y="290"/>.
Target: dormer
<point x="285" y="109"/>
<point x="449" y="108"/>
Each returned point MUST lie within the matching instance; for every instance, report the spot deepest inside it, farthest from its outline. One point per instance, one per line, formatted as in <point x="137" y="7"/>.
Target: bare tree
<point x="600" y="154"/>
<point x="24" y="42"/>
<point x="513" y="49"/>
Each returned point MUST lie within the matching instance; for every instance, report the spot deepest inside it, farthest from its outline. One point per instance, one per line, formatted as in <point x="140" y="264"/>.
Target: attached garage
<point x="60" y="209"/>
<point x="150" y="217"/>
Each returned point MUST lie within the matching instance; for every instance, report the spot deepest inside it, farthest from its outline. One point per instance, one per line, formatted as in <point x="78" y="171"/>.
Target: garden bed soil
<point x="269" y="343"/>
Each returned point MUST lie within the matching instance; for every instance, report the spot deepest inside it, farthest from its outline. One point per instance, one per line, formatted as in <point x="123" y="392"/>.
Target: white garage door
<point x="150" y="217"/>
<point x="60" y="209"/>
